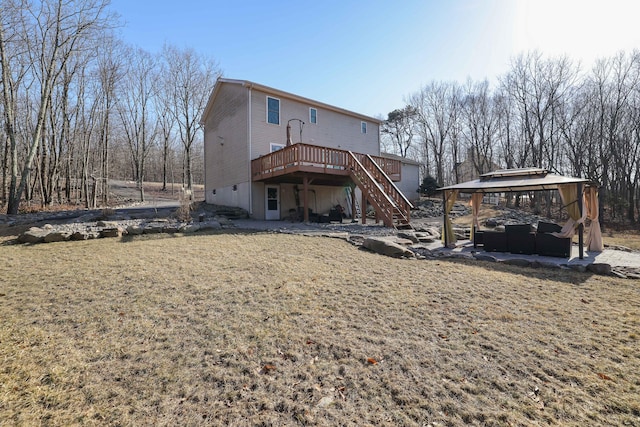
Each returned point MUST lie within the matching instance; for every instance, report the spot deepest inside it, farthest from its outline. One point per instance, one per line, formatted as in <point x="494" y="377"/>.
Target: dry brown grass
<point x="264" y="329"/>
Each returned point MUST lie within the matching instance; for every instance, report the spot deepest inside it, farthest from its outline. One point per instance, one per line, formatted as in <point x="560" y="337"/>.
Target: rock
<point x="135" y="230"/>
<point x="408" y="236"/>
<point x="485" y="257"/>
<point x="422" y="252"/>
<point x="57" y="236"/>
<point x="599" y="268"/>
<point x="107" y="224"/>
<point x="356" y="240"/>
<point x="79" y="235"/>
<point x="171" y="228"/>
<point x="111" y="232"/>
<point x="427" y="239"/>
<point x="210" y="225"/>
<point x="33" y="235"/>
<point x="190" y="228"/>
<point x="387" y="247"/>
<point x="153" y="228"/>
<point x="401" y="241"/>
<point x="491" y="222"/>
<point x="517" y="261"/>
<point x="223" y="221"/>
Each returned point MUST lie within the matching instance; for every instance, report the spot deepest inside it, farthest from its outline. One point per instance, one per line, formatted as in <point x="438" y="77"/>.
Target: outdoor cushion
<point x="548" y="227"/>
<point x="494" y="241"/>
<point x="517" y="228"/>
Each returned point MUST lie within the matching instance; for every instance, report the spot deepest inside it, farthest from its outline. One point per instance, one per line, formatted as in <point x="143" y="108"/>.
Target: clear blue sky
<point x="367" y="56"/>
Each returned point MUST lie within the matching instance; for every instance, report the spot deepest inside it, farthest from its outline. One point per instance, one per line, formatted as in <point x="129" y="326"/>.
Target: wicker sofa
<point x="549" y="245"/>
<point x="523" y="239"/>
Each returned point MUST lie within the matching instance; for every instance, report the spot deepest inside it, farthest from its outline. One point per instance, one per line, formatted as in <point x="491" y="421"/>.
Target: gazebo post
<point x="581" y="225"/>
<point x="445" y="217"/>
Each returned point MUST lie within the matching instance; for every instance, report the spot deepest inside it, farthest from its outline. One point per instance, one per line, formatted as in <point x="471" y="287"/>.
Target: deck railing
<point x="403" y="205"/>
<point x="314" y="158"/>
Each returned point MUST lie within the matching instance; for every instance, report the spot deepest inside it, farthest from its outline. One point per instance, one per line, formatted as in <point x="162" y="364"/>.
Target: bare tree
<point x="436" y="107"/>
<point x="135" y="108"/>
<point x="189" y="80"/>
<point x="480" y="126"/>
<point x="54" y="31"/>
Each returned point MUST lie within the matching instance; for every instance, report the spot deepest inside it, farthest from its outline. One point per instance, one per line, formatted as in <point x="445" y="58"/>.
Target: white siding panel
<point x="226" y="145"/>
<point x="227" y="196"/>
<point x="410" y="181"/>
<point x="332" y="130"/>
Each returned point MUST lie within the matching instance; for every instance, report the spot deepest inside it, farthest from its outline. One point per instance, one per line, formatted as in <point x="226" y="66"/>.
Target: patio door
<point x="272" y="200"/>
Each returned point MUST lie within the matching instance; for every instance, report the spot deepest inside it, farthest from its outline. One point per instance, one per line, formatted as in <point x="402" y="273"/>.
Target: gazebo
<point x="576" y="194"/>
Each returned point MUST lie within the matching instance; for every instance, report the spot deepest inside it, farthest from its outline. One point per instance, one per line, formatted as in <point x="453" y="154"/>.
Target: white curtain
<point x="475" y="202"/>
<point x="594" y="238"/>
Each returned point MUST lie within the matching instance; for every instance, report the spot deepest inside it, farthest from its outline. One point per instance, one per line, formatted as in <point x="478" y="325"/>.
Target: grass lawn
<point x="271" y="329"/>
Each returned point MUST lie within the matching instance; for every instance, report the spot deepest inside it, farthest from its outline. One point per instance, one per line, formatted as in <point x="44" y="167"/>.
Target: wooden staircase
<point x="390" y="204"/>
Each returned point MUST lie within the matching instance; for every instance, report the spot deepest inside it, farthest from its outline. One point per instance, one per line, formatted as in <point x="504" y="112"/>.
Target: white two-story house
<point x="276" y="154"/>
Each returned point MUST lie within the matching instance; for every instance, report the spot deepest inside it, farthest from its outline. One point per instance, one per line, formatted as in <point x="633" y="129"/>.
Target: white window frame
<point x="267" y="105"/>
<point x="273" y="147"/>
<point x="363" y="127"/>
<point x="311" y="116"/>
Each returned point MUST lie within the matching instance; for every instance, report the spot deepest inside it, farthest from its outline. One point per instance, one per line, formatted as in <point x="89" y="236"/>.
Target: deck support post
<point x="353" y="202"/>
<point x="305" y="197"/>
<point x="363" y="208"/>
<point x="581" y="225"/>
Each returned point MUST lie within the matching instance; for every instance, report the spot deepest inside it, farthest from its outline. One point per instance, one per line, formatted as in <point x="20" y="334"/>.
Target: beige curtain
<point x="594" y="238"/>
<point x="475" y="202"/>
<point x="450" y="200"/>
<point x="569" y="196"/>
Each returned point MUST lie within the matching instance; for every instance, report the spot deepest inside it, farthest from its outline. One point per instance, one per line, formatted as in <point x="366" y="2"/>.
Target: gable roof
<point x="400" y="158"/>
<point x="508" y="180"/>
<point x="282" y="94"/>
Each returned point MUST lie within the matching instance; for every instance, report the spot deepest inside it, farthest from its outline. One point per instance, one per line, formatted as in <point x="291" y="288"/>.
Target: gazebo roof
<point x="509" y="180"/>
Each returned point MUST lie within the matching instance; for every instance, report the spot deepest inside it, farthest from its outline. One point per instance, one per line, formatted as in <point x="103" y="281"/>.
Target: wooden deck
<point x="314" y="159"/>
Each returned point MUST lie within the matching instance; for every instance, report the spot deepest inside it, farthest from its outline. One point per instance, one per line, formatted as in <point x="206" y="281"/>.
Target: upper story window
<point x="363" y="127"/>
<point x="273" y="110"/>
<point x="313" y="115"/>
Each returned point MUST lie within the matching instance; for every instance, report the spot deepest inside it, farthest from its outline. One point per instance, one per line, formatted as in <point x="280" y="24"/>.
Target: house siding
<point x="226" y="149"/>
<point x="237" y="131"/>
<point x="410" y="181"/>
<point x="332" y="130"/>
